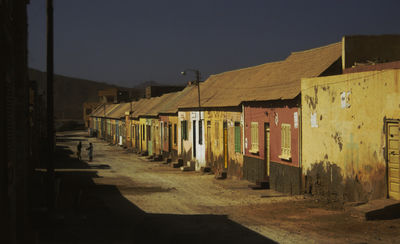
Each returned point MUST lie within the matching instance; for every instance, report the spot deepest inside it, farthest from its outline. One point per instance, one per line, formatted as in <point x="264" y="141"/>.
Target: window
<point x="184" y="129"/>
<point x="285" y="142"/>
<point x="143" y="134"/>
<point x="254" y="137"/>
<point x="175" y="134"/>
<point x="237" y="137"/>
<point x="200" y="132"/>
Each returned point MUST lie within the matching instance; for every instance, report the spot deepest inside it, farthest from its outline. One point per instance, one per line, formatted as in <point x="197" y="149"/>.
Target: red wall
<point x="264" y="114"/>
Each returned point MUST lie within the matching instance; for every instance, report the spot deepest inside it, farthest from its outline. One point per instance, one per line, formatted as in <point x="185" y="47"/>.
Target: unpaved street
<point x="123" y="198"/>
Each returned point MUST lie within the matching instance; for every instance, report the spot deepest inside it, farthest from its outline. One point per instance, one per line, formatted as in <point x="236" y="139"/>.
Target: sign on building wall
<point x="296" y="120"/>
<point x="345" y="99"/>
<point x="314" y="123"/>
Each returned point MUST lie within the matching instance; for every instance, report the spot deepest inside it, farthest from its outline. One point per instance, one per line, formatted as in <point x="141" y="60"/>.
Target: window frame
<point x="255" y="145"/>
<point x="286" y="141"/>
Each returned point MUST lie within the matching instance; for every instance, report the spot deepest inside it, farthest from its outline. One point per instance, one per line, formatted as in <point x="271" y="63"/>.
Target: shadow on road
<point x="386" y="213"/>
<point x="90" y="212"/>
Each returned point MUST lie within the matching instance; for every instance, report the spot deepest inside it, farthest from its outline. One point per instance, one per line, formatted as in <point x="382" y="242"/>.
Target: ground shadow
<point x="91" y="212"/>
<point x="386" y="213"/>
<point x="67" y="159"/>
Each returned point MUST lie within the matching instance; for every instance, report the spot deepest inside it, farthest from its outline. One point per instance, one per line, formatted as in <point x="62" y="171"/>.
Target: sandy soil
<point x="190" y="207"/>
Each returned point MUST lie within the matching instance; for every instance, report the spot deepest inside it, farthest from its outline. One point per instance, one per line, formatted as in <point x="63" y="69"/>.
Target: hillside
<point x="70" y="93"/>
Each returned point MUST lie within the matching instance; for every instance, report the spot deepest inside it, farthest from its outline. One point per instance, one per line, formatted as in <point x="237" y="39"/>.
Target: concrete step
<point x="187" y="168"/>
<point x="260" y="184"/>
<point x="205" y="169"/>
<point x="221" y="175"/>
<point x="178" y="164"/>
<point x="158" y="158"/>
<point x="379" y="209"/>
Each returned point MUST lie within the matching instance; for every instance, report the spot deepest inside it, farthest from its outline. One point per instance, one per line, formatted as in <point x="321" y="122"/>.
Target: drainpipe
<point x="50" y="112"/>
<point x="243" y="128"/>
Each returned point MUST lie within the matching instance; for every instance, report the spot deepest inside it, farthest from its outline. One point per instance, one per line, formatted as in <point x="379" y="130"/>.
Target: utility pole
<point x="50" y="107"/>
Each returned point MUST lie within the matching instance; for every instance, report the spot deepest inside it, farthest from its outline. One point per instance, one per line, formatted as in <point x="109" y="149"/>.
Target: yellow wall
<point x="344" y="150"/>
<point x="215" y="147"/>
<point x="143" y="141"/>
<point x="156" y="137"/>
<point x="174" y="120"/>
<point x="134" y="123"/>
<point x="186" y="154"/>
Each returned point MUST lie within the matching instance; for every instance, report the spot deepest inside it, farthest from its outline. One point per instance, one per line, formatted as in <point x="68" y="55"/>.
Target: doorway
<point x="194" y="138"/>
<point x="267" y="148"/>
<point x="393" y="158"/>
<point x="225" y="126"/>
<point x="169" y="137"/>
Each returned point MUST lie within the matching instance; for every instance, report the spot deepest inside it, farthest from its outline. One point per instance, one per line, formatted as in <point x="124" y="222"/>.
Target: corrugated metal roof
<point x="270" y="81"/>
<point x="99" y="112"/>
<point x="170" y="106"/>
<point x="143" y="106"/>
<point x="119" y="112"/>
<point x="158" y="104"/>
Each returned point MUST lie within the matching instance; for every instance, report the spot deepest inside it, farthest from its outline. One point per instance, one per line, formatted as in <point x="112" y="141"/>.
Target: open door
<point x="226" y="144"/>
<point x="194" y="138"/>
<point x="393" y="149"/>
<point x="169" y="138"/>
<point x="267" y="148"/>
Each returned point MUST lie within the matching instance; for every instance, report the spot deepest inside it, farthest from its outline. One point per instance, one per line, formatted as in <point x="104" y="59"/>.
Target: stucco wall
<point x="185" y="146"/>
<point x="214" y="139"/>
<point x="274" y="113"/>
<point x="343" y="136"/>
<point x="143" y="133"/>
<point x="200" y="157"/>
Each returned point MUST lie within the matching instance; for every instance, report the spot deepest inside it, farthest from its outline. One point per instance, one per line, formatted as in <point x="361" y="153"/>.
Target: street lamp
<point x="197" y="82"/>
<point x="198" y="94"/>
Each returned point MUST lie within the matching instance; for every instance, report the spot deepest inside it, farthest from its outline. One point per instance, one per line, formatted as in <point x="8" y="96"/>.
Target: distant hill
<point x="70" y="93"/>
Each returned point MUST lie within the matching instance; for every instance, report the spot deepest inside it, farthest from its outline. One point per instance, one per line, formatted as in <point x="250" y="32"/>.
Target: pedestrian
<point x="90" y="152"/>
<point x="79" y="150"/>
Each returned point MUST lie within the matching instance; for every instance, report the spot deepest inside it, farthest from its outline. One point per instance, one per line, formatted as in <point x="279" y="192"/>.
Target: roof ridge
<point x="316" y="48"/>
<point x="250" y="67"/>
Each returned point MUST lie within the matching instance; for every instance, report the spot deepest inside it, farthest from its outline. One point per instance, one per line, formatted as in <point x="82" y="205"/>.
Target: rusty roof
<point x="269" y="81"/>
<point x="170" y="106"/>
<point x="159" y="103"/>
<point x="119" y="112"/>
<point x="99" y="112"/>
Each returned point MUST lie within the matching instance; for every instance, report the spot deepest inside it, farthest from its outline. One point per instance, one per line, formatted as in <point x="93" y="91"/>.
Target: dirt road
<point x="123" y="198"/>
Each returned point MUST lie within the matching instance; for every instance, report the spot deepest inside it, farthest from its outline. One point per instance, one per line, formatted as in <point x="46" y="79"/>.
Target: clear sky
<point x="126" y="42"/>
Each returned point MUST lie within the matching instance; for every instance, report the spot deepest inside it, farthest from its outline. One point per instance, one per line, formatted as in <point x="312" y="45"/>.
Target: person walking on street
<point x="79" y="150"/>
<point x="90" y="152"/>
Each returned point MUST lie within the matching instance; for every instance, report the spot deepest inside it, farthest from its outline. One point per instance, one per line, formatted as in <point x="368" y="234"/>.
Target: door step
<point x="178" y="164"/>
<point x="221" y="175"/>
<point x="260" y="185"/>
<point x="190" y="166"/>
<point x="158" y="158"/>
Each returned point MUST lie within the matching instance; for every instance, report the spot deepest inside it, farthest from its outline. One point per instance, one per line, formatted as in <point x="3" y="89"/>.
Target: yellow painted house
<point x="350" y="135"/>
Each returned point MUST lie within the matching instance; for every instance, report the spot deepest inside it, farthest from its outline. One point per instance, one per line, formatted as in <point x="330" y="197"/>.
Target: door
<point x="267" y="148"/>
<point x="169" y="137"/>
<point x="393" y="159"/>
<point x="225" y="144"/>
<point x="194" y="138"/>
<point x="209" y="143"/>
<point x="162" y="135"/>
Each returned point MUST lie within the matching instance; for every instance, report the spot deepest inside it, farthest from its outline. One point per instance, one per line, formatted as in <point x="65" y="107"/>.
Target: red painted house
<point x="272" y="117"/>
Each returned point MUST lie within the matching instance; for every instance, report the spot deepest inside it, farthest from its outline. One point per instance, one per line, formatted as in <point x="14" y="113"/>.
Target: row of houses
<point x="310" y="123"/>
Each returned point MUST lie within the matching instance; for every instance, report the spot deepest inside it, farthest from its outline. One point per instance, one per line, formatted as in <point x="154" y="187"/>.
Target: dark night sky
<point x="128" y="42"/>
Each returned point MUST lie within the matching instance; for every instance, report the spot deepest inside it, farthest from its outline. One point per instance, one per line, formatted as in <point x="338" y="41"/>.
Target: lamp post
<point x="197" y="72"/>
<point x="197" y="83"/>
